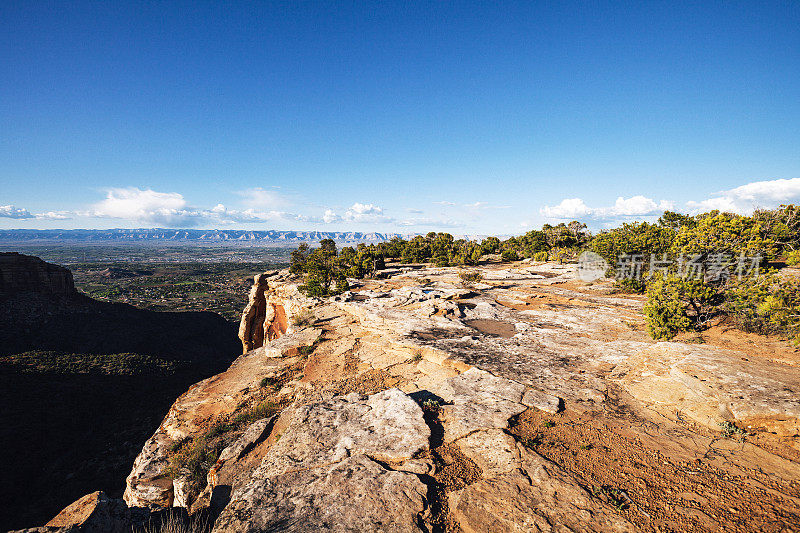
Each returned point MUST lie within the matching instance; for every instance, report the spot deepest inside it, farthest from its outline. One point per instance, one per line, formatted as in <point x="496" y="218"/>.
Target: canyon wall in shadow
<point x="84" y="383"/>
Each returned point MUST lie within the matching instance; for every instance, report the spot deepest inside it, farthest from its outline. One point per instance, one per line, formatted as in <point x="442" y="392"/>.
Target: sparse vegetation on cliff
<point x="193" y="457"/>
<point x="176" y="522"/>
<point x="304" y="318"/>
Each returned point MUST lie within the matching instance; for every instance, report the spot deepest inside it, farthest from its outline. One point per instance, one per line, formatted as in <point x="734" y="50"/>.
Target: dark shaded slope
<point x="82" y="325"/>
<point x="73" y="417"/>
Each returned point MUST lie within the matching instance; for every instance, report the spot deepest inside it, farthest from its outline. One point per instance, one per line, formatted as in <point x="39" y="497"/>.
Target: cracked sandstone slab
<point x="712" y="385"/>
<point x="536" y="495"/>
<point x="478" y="400"/>
<point x="354" y="494"/>
<point x="328" y="472"/>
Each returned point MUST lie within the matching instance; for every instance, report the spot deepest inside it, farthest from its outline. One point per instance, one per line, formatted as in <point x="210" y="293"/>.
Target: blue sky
<point x="466" y="117"/>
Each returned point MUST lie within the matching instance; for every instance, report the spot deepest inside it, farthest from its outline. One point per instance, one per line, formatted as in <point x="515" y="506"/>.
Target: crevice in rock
<point x="452" y="470"/>
<point x="431" y="406"/>
<point x="527" y="475"/>
<point x="434" y="518"/>
<point x="264" y="436"/>
<point x="220" y="497"/>
<point x="351" y="359"/>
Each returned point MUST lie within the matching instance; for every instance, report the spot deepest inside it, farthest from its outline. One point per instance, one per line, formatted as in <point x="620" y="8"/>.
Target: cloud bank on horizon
<point x="635" y="206"/>
<point x="150" y="208"/>
<point x="742" y="200"/>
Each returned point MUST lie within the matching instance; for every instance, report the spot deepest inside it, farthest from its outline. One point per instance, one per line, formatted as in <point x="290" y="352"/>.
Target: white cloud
<point x="172" y="210"/>
<point x="10" y="211"/>
<point x="445" y="202"/>
<point x="358" y="213"/>
<point x="366" y="213"/>
<point x="746" y="198"/>
<point x="329" y="217"/>
<point x="144" y="206"/>
<point x="54" y="215"/>
<point x="223" y="215"/>
<point x="636" y="206"/>
<point x="720" y="203"/>
<point x="260" y="197"/>
<point x="623" y="208"/>
<point x="568" y="208"/>
<point x="780" y="190"/>
<point x="415" y="211"/>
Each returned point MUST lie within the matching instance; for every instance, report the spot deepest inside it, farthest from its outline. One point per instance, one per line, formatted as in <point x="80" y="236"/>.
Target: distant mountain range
<point x="189" y="235"/>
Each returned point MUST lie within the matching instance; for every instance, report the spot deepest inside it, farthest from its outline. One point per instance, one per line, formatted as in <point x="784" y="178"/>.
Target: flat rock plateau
<point x="529" y="401"/>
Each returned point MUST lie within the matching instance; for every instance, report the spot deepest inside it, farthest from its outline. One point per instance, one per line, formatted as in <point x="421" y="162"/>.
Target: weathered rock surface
<point x="255" y="433"/>
<point x="493" y="450"/>
<point x="355" y="494"/>
<point x="711" y="386"/>
<point x="387" y="426"/>
<point x="478" y="400"/>
<point x="543" y="401"/>
<point x="535" y="496"/>
<point x="497" y="369"/>
<point x="327" y="473"/>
